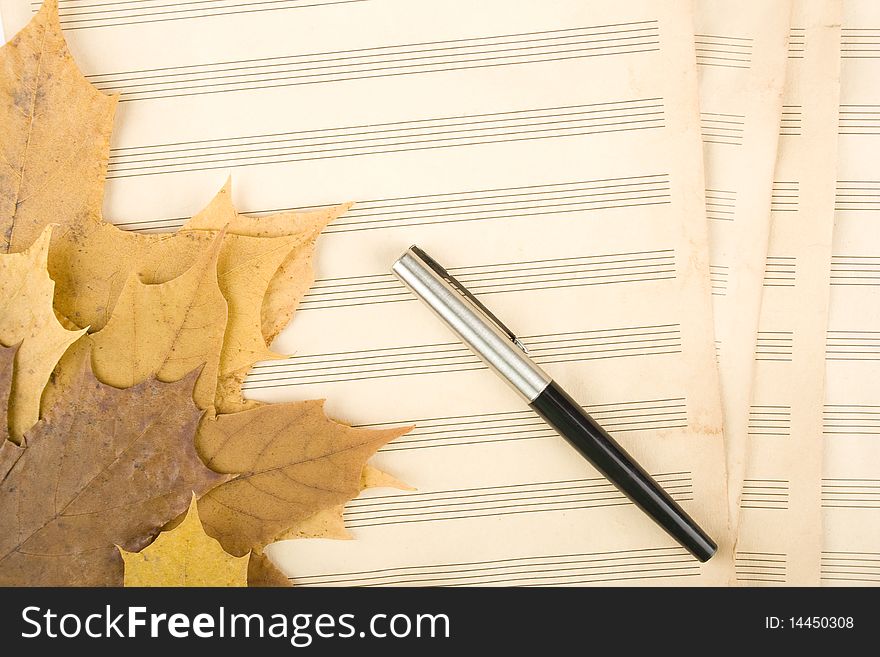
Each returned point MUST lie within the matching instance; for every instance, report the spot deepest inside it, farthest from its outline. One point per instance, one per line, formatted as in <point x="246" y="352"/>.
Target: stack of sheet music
<point x="674" y="205"/>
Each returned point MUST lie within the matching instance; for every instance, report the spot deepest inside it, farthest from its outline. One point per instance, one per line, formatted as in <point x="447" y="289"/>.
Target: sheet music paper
<point x="741" y="55"/>
<point x="851" y="476"/>
<point x="780" y="522"/>
<point x="549" y="154"/>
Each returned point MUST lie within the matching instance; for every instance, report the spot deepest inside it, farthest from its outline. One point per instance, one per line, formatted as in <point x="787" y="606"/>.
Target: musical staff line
<point x="606" y="269"/>
<point x="726" y="129"/>
<point x="770" y="420"/>
<point x="766" y="567"/>
<point x="449" y="357"/>
<point x="534" y="570"/>
<point x="857" y="196"/>
<point x="375" y="139"/>
<point x="792" y="121"/>
<point x="514" y="426"/>
<point x="848" y="493"/>
<point x="860" y="43"/>
<point x="718" y="277"/>
<point x="780" y="271"/>
<point x="477" y="205"/>
<point x="765" y="494"/>
<point x="852" y="345"/>
<point x="774" y="346"/>
<point x="723" y="51"/>
<point x="841" y="566"/>
<point x="77" y="16"/>
<point x="855" y="270"/>
<point x="859" y="120"/>
<point x="784" y="196"/>
<point x="851" y="420"/>
<point x="720" y="204"/>
<point x="797" y="42"/>
<point x="381" y="62"/>
<point x="494" y="501"/>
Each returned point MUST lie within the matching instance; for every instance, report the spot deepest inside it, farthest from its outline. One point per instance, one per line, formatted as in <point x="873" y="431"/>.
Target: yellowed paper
<point x="741" y="56"/>
<point x="549" y="153"/>
<point x="851" y="475"/>
<point x="780" y="522"/>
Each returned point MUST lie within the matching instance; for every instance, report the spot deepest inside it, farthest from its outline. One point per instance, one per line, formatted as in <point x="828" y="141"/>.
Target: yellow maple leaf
<point x="166" y="330"/>
<point x="295" y="275"/>
<point x="26" y="316"/>
<point x="91" y="264"/>
<point x="9" y="451"/>
<point x="184" y="556"/>
<point x="56" y="135"/>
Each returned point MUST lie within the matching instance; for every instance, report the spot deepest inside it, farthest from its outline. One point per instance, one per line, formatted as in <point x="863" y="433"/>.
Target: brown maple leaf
<point x="103" y="467"/>
<point x="291" y="461"/>
<point x="330" y="522"/>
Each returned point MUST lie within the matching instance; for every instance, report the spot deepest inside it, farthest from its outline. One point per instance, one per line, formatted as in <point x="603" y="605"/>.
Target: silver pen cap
<point x="471" y="321"/>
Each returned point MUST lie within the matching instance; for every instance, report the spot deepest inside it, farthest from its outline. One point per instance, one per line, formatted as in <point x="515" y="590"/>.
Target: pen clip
<point x="463" y="291"/>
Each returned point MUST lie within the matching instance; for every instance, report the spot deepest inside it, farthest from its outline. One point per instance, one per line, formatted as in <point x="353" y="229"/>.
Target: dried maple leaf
<point x="91" y="268"/>
<point x="56" y="134"/>
<point x="166" y="330"/>
<point x="263" y="270"/>
<point x="26" y="317"/>
<point x="295" y="275"/>
<point x="184" y="556"/>
<point x="246" y="272"/>
<point x="330" y="522"/>
<point x="91" y="264"/>
<point x="291" y="461"/>
<point x="7" y="357"/>
<point x="268" y="295"/>
<point x="103" y="467"/>
<point x="9" y="451"/>
<point x="326" y="523"/>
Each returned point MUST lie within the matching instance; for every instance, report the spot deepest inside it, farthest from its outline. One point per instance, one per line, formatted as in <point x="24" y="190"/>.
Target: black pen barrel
<point x="568" y="418"/>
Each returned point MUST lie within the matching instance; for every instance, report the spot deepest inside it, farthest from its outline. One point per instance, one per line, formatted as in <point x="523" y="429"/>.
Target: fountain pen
<point x="504" y="353"/>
